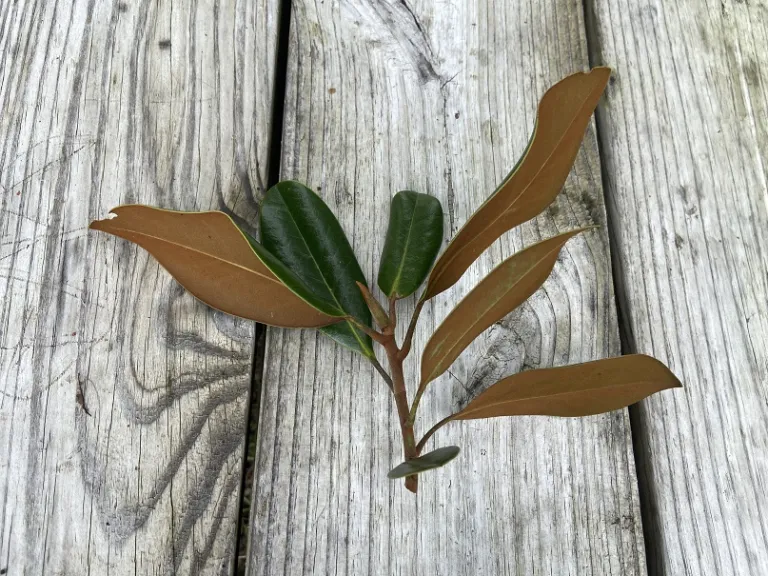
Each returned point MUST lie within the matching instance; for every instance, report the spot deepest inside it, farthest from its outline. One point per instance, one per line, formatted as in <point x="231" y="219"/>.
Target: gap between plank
<point x="628" y="345"/>
<point x="259" y="341"/>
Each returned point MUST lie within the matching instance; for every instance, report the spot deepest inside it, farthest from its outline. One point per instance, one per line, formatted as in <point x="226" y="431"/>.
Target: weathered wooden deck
<point x="124" y="402"/>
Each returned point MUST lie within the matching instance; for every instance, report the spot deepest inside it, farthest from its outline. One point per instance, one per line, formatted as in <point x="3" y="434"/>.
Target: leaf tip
<point x="102" y="224"/>
<point x="676" y="383"/>
<point x="602" y="72"/>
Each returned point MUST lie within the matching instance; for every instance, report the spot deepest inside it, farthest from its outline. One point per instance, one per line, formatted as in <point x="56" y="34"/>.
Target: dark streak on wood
<point x="94" y="116"/>
<point x="80" y="397"/>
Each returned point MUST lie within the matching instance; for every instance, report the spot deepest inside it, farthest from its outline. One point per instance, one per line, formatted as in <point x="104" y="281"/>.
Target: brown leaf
<point x="503" y="290"/>
<point x="564" y="112"/>
<point x="209" y="255"/>
<point x="378" y="313"/>
<point x="578" y="390"/>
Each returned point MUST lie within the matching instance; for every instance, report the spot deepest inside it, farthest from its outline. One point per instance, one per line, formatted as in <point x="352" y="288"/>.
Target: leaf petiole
<point x="431" y="431"/>
<point x="405" y="350"/>
<point x="374" y="334"/>
<point x="384" y="375"/>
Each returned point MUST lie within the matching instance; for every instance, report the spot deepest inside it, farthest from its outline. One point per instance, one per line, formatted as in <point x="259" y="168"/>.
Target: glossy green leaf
<point x="299" y="229"/>
<point x="504" y="289"/>
<point x="414" y="237"/>
<point x="429" y="461"/>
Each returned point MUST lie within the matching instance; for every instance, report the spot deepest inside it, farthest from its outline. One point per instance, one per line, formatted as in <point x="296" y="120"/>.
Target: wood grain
<point x="441" y="98"/>
<point x="122" y="399"/>
<point x="685" y="142"/>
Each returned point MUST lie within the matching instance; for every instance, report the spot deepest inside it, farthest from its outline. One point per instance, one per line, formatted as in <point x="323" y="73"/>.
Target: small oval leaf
<point x="305" y="236"/>
<point x="577" y="390"/>
<point x="504" y="289"/>
<point x="211" y="257"/>
<point x="414" y="237"/>
<point x="429" y="461"/>
<point x="563" y="115"/>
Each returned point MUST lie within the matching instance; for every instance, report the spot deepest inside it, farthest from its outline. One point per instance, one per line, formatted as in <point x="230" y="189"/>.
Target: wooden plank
<point x="685" y="144"/>
<point x="106" y="103"/>
<point x="440" y="98"/>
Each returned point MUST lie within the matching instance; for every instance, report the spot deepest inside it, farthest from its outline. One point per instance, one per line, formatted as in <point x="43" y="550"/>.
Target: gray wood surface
<point x="122" y="399"/>
<point x="685" y="140"/>
<point x="440" y="97"/>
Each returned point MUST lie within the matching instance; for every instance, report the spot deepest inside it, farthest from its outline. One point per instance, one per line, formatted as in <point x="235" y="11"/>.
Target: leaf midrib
<point x="405" y="248"/>
<point x="317" y="267"/>
<point x="527" y="186"/>
<point x="486" y="310"/>
<point x="208" y="254"/>
<point x="558" y="394"/>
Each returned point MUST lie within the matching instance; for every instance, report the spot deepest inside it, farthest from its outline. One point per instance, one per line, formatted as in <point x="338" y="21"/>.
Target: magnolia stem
<point x="401" y="394"/>
<point x="403" y="411"/>
<point x="396" y="381"/>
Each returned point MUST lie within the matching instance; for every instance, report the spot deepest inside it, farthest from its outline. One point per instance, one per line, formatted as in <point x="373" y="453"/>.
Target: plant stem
<point x="396" y="381"/>
<point x="403" y="411"/>
<point x="401" y="394"/>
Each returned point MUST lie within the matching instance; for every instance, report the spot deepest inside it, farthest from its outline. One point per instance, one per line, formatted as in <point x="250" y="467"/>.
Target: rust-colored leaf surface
<point x="578" y="390"/>
<point x="563" y="116"/>
<point x="209" y="255"/>
<point x="510" y="284"/>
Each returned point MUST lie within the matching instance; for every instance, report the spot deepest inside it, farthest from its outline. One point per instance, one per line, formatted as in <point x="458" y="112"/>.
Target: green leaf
<point x="429" y="461"/>
<point x="504" y="289"/>
<point x="414" y="237"/>
<point x="299" y="229"/>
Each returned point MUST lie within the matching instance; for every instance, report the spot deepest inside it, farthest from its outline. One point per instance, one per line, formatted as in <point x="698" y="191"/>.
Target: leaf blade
<point x="429" y="461"/>
<point x="208" y="254"/>
<point x="506" y="287"/>
<point x="590" y="388"/>
<point x="563" y="115"/>
<point x="302" y="232"/>
<point x="287" y="277"/>
<point x="414" y="237"/>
